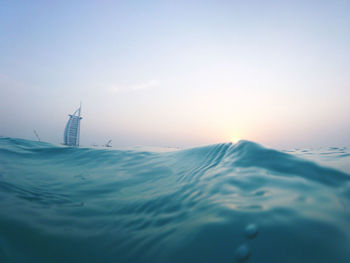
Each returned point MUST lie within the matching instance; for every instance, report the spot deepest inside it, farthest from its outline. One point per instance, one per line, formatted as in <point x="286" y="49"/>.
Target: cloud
<point x="134" y="87"/>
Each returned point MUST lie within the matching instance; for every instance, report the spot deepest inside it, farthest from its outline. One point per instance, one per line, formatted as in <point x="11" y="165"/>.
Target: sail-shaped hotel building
<point x="72" y="131"/>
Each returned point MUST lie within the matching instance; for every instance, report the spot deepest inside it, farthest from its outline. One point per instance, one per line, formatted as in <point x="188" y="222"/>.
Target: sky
<point x="177" y="73"/>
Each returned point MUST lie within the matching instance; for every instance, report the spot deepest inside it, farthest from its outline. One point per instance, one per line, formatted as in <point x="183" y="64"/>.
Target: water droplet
<point x="242" y="253"/>
<point x="251" y="230"/>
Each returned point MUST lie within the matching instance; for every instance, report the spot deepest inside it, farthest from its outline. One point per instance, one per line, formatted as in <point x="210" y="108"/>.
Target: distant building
<point x="72" y="131"/>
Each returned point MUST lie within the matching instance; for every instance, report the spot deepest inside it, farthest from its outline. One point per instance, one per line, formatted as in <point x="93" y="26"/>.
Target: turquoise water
<point x="219" y="203"/>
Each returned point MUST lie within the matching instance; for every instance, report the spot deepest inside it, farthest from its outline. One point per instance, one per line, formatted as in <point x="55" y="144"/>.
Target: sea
<point x="219" y="203"/>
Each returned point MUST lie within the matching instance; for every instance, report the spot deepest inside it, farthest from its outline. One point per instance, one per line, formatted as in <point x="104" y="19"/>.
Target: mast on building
<point x="72" y="131"/>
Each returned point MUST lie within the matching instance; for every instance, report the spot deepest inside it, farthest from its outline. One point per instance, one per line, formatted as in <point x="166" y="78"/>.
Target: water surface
<point x="219" y="203"/>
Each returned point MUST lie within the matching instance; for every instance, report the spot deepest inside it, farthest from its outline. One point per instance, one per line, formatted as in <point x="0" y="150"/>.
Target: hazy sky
<point x="177" y="73"/>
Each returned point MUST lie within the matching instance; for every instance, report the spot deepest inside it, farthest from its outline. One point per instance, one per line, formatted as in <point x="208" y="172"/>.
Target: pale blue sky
<point x="178" y="73"/>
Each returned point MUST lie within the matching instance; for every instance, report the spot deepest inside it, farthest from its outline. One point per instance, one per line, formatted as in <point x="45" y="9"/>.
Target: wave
<point x="218" y="203"/>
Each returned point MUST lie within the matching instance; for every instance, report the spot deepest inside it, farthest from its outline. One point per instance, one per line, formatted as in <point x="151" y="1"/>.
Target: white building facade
<point x="72" y="131"/>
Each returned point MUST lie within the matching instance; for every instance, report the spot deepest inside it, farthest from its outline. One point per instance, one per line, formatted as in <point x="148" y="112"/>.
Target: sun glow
<point x="235" y="139"/>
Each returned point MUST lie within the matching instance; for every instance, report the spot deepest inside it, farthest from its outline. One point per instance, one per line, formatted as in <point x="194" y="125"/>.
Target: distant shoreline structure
<point x="71" y="134"/>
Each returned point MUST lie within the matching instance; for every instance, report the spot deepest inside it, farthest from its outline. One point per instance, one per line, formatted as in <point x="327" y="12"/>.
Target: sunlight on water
<point x="235" y="139"/>
<point x="219" y="203"/>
